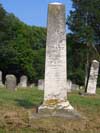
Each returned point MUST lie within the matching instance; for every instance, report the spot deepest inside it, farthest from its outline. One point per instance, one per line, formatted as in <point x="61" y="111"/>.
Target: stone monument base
<point x="64" y="110"/>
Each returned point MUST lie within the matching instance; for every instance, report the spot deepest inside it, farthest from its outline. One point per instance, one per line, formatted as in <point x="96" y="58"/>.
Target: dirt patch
<point x="21" y="118"/>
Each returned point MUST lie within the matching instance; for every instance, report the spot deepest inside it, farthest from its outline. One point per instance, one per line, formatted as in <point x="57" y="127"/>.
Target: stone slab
<point x="57" y="113"/>
<point x="92" y="82"/>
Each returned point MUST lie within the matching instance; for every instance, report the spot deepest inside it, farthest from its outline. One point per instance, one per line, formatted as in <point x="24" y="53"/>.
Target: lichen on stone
<point x="52" y="102"/>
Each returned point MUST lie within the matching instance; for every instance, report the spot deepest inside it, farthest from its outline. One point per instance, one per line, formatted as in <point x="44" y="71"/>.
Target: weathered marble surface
<point x="75" y="87"/>
<point x="69" y="85"/>
<point x="41" y="84"/>
<point x="92" y="82"/>
<point x="32" y="85"/>
<point x="1" y="83"/>
<point x="10" y="82"/>
<point x="23" y="81"/>
<point x="55" y="92"/>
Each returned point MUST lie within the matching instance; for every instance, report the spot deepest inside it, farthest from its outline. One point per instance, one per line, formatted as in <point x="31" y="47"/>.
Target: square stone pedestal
<point x="63" y="109"/>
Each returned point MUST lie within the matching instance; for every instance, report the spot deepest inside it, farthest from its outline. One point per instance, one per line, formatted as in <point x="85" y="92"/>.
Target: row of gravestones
<point x="92" y="82"/>
<point x="69" y="86"/>
<point x="11" y="82"/>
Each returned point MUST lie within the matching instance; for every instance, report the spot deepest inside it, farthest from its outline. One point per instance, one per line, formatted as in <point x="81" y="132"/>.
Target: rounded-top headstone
<point x="10" y="82"/>
<point x="95" y="61"/>
<point x="23" y="81"/>
<point x="41" y="84"/>
<point x="95" y="64"/>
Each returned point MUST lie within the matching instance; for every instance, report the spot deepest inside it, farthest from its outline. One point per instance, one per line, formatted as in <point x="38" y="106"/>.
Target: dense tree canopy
<point x="84" y="20"/>
<point x="84" y="23"/>
<point x="22" y="47"/>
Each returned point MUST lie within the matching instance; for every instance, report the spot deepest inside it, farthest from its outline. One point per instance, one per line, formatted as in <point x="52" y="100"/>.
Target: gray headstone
<point x="23" y="81"/>
<point x="55" y="92"/>
<point x="10" y="82"/>
<point x="75" y="87"/>
<point x="81" y="87"/>
<point x="69" y="85"/>
<point x="1" y="83"/>
<point x="41" y="84"/>
<point x="32" y="85"/>
<point x="92" y="82"/>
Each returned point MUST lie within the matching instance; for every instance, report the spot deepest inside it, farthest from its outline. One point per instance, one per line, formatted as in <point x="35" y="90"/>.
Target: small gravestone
<point x="69" y="85"/>
<point x="32" y="85"/>
<point x="92" y="82"/>
<point x="75" y="87"/>
<point x="41" y="84"/>
<point x="81" y="87"/>
<point x="1" y="83"/>
<point x="10" y="82"/>
<point x="23" y="81"/>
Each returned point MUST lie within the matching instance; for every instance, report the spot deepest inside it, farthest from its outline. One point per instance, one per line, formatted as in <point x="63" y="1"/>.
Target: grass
<point x="23" y="97"/>
<point x="16" y="109"/>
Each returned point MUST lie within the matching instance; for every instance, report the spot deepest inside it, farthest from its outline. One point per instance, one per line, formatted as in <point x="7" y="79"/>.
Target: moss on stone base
<point x="52" y="102"/>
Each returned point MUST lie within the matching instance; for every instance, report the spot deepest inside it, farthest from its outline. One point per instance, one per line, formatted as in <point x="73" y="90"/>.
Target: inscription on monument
<point x="55" y="92"/>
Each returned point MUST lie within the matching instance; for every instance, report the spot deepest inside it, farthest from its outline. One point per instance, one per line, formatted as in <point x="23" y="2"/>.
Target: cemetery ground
<point x="16" y="110"/>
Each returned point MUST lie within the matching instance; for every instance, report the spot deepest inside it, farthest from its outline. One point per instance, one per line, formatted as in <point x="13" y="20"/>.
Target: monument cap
<point x="56" y="3"/>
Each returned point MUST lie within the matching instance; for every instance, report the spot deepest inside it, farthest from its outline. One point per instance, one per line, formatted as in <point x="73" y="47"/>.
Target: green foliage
<point x="84" y="20"/>
<point x="76" y="60"/>
<point x="22" y="97"/>
<point x="39" y="63"/>
<point x="20" y="47"/>
<point x="39" y="37"/>
<point x="17" y="108"/>
<point x="85" y="101"/>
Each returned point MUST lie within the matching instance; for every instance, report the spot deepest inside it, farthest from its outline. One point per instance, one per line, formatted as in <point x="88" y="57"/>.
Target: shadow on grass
<point x="26" y="104"/>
